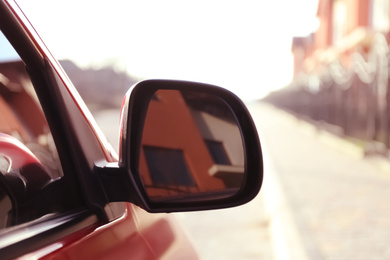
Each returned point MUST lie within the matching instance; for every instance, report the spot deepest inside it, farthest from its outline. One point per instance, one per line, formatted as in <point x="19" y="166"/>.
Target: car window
<point x="29" y="162"/>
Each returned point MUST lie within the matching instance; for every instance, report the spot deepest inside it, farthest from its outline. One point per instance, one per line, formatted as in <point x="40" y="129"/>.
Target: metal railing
<point x="356" y="99"/>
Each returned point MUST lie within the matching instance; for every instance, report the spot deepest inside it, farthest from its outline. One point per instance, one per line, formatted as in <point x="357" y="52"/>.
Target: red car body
<point x="132" y="236"/>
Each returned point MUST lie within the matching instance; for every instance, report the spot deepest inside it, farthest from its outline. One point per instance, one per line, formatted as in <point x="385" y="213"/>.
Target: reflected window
<point x="167" y="167"/>
<point x="217" y="152"/>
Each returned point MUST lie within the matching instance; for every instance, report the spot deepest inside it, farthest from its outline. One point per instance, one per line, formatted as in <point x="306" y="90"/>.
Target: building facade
<point x="346" y="27"/>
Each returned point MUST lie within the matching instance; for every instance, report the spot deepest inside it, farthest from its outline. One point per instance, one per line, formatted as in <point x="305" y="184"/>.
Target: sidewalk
<point x="323" y="199"/>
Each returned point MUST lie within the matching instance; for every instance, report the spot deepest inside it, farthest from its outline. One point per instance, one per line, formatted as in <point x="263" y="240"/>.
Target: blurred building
<point x="191" y="144"/>
<point x="346" y="27"/>
<point x="341" y="71"/>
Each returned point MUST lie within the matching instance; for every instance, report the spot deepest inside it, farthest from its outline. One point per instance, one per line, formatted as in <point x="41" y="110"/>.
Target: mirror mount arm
<point x="115" y="182"/>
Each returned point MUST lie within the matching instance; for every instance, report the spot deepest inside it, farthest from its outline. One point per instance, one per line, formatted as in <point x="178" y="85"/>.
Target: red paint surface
<point x="137" y="235"/>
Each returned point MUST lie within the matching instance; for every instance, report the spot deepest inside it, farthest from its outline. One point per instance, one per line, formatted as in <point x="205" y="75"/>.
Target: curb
<point x="286" y="240"/>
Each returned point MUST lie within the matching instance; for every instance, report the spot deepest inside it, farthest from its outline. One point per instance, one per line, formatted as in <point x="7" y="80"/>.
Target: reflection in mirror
<point x="191" y="148"/>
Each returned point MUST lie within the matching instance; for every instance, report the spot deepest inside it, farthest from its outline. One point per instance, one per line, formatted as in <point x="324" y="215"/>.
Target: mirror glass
<point x="191" y="148"/>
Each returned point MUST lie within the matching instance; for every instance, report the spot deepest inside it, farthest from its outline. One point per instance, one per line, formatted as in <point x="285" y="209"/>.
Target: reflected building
<point x="19" y="104"/>
<point x="190" y="144"/>
<point x="345" y="27"/>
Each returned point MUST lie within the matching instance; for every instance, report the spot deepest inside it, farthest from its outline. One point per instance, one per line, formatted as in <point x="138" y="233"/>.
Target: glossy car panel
<point x="133" y="236"/>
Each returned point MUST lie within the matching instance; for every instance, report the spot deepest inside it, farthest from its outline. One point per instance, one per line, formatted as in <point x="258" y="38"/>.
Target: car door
<point x="49" y="144"/>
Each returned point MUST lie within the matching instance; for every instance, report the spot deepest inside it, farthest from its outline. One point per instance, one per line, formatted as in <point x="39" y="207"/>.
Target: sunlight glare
<point x="244" y="46"/>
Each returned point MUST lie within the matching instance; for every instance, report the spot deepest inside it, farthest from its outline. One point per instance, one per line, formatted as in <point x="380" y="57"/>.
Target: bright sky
<point x="240" y="45"/>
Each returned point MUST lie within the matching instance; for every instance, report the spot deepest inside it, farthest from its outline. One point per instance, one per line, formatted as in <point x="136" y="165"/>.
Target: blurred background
<point x="226" y="43"/>
<point x="315" y="76"/>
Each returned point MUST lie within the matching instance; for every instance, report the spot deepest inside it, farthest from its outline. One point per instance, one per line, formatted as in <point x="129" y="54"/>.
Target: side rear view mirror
<point x="185" y="146"/>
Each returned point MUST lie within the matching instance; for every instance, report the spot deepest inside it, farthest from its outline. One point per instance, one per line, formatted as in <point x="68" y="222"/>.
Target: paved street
<point x="338" y="203"/>
<point x="237" y="233"/>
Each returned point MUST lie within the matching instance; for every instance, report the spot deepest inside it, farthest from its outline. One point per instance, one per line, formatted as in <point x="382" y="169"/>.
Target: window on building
<point x="168" y="167"/>
<point x="217" y="152"/>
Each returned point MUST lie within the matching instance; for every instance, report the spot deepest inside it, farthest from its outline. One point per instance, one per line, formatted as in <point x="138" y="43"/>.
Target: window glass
<point x="29" y="163"/>
<point x="7" y="52"/>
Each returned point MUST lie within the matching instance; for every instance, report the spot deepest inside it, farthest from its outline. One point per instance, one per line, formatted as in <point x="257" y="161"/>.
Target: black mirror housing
<point x="149" y="159"/>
